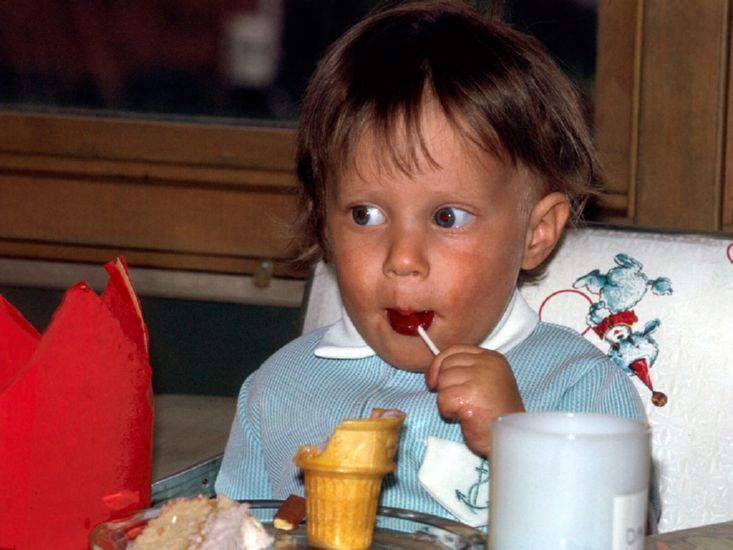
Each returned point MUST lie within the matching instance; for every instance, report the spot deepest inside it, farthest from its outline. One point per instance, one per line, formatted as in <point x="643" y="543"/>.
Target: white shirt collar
<point x="342" y="341"/>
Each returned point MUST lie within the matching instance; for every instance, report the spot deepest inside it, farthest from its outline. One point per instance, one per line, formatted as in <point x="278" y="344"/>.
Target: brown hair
<point x="498" y="87"/>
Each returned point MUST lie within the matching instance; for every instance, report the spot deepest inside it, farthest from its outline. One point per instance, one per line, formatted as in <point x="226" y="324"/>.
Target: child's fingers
<point x="453" y="356"/>
<point x="474" y="386"/>
<point x="457" y="402"/>
<point x="454" y="374"/>
<point x="467" y="403"/>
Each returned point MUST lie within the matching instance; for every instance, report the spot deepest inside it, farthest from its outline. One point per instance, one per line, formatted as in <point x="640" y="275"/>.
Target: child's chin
<point x="412" y="363"/>
<point x="411" y="368"/>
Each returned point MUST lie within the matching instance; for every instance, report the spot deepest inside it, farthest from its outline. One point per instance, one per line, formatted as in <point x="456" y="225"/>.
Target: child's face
<point x="448" y="240"/>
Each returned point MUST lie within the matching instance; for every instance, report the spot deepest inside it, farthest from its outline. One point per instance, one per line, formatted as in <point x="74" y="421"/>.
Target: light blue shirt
<point x="297" y="398"/>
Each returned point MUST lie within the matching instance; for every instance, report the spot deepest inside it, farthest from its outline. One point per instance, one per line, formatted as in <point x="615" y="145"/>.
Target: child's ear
<point x="546" y="223"/>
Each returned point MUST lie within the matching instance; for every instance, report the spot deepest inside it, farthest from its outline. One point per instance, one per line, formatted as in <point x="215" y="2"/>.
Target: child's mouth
<point x="406" y="322"/>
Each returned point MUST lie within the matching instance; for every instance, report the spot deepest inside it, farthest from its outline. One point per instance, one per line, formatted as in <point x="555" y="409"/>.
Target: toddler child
<point x="440" y="155"/>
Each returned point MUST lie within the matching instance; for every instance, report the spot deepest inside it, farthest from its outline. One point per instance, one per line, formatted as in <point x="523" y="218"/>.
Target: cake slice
<point x="180" y="520"/>
<point x="201" y="523"/>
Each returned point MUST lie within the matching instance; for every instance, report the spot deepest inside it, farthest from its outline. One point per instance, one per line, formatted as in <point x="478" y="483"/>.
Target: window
<point x="222" y="58"/>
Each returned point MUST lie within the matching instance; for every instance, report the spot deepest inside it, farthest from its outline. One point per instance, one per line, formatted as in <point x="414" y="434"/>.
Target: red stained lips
<point x="406" y="322"/>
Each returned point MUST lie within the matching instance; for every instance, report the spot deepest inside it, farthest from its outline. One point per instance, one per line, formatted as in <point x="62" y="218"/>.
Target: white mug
<point x="568" y="480"/>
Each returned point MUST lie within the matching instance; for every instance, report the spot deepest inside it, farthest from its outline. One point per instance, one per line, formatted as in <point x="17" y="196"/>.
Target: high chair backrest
<point x="660" y="304"/>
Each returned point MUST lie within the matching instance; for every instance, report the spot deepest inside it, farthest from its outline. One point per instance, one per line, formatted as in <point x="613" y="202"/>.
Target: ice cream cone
<point x="343" y="482"/>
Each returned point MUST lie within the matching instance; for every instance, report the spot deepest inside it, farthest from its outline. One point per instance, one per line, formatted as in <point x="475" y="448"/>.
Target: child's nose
<point x="406" y="256"/>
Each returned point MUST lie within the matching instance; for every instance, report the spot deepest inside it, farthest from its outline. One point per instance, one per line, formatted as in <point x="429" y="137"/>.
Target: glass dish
<point x="395" y="530"/>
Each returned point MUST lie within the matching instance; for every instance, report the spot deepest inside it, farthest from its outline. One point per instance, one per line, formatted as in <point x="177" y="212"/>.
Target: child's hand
<point x="474" y="386"/>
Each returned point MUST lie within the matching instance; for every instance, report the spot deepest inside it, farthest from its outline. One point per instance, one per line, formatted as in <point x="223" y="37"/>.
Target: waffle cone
<point x="341" y="508"/>
<point x="343" y="482"/>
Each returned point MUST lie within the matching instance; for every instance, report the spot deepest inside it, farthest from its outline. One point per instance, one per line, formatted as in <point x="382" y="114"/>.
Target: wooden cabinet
<point x="663" y="112"/>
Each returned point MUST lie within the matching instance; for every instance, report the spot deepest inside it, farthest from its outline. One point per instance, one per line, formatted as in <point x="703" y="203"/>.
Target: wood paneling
<point x="727" y="194"/>
<point x="683" y="83"/>
<point x="617" y="100"/>
<point x="181" y="196"/>
<point x="663" y="116"/>
<point x="138" y="140"/>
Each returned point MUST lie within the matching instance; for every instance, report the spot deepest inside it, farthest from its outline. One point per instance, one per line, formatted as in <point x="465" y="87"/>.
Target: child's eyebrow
<point x="360" y="187"/>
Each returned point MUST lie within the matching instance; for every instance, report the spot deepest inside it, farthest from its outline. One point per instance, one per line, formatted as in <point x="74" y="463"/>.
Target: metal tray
<point x="396" y="529"/>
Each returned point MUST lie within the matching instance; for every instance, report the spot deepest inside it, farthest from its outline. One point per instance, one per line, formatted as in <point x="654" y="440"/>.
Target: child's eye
<point x="367" y="215"/>
<point x="451" y="217"/>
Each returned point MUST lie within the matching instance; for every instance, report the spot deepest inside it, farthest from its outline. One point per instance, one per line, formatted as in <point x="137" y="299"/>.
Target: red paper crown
<point x="76" y="417"/>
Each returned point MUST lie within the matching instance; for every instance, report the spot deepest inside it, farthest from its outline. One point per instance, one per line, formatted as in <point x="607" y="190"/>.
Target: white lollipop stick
<point x="427" y="340"/>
